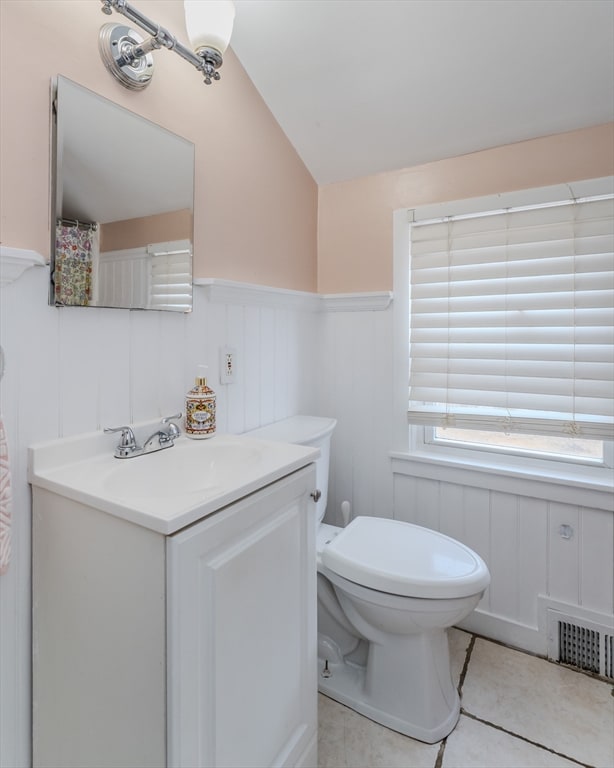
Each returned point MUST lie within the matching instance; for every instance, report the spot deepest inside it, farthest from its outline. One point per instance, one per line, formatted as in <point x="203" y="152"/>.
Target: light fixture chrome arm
<point x="125" y="53"/>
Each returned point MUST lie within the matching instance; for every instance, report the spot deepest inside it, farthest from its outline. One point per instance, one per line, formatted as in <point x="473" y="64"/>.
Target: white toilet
<point x="387" y="593"/>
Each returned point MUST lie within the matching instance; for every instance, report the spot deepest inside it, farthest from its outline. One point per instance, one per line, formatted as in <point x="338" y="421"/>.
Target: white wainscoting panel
<point x="564" y="554"/>
<point x="355" y="387"/>
<point x="520" y="540"/>
<point x="71" y="370"/>
<point x="75" y="369"/>
<point x="597" y="535"/>
<point x="512" y="522"/>
<point x="531" y="574"/>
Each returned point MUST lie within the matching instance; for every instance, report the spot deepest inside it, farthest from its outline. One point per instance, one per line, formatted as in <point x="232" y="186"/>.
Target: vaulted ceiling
<point x="365" y="86"/>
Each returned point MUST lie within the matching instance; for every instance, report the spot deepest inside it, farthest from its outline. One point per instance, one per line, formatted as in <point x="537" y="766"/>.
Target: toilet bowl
<point x="387" y="593"/>
<point x="400" y="586"/>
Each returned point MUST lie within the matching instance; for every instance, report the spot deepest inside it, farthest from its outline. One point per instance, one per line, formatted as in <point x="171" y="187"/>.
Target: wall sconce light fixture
<point x="127" y="54"/>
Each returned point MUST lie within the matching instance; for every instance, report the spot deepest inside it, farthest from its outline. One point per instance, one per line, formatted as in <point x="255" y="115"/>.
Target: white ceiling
<point x="364" y="86"/>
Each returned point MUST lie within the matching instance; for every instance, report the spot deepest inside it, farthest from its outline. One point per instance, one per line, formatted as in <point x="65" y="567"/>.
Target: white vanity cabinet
<point x="188" y="650"/>
<point x="242" y="633"/>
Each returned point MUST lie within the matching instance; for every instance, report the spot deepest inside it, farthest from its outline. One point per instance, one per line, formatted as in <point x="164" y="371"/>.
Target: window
<point x="545" y="446"/>
<point x="512" y="322"/>
<point x="170" y="276"/>
<point x="155" y="276"/>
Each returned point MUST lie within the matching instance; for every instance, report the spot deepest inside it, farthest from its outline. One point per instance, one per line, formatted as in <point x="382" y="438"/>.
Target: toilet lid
<point x="404" y="559"/>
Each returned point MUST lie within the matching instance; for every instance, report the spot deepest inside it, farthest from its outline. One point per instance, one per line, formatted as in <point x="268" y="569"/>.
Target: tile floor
<point x="517" y="711"/>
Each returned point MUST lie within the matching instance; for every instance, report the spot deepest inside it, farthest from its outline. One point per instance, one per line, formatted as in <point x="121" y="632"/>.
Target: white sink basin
<point x="164" y="490"/>
<point x="182" y="470"/>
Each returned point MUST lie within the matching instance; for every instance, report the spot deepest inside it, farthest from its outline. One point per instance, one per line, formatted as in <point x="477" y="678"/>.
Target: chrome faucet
<point x="127" y="446"/>
<point x="172" y="430"/>
<point x="160" y="439"/>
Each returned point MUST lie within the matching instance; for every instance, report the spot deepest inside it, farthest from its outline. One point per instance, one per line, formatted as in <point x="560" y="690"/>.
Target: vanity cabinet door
<point x="241" y="612"/>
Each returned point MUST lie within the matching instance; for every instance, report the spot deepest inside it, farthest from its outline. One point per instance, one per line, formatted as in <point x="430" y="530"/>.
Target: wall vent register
<point x="583" y="645"/>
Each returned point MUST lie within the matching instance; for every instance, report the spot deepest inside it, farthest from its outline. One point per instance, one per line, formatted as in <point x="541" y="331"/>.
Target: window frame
<point x="431" y="437"/>
<point x="411" y="443"/>
<point x="527" y="466"/>
<point x="500" y="454"/>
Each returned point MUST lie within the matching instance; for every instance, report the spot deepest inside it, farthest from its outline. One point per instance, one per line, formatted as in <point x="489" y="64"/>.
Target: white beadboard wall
<point x="531" y="564"/>
<point x="511" y="522"/>
<point x="76" y="370"/>
<point x="357" y="389"/>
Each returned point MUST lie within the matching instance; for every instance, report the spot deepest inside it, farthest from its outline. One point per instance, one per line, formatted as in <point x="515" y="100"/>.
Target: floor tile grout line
<point x="543" y="657"/>
<point x="440" y="751"/>
<point x="523" y="738"/>
<point x="468" y="654"/>
<point x="470" y="647"/>
<point x="461" y="680"/>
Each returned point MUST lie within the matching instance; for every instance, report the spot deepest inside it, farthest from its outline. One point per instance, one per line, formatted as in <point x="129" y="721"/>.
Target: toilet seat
<point x="404" y="559"/>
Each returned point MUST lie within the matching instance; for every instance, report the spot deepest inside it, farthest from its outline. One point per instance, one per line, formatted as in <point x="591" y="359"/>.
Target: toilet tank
<point x="314" y="431"/>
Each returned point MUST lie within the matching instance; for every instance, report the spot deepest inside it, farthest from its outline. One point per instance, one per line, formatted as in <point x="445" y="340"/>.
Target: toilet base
<point x="427" y="706"/>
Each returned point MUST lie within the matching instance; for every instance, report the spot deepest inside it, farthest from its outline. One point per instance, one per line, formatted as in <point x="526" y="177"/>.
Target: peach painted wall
<point x="255" y="202"/>
<point x="135" y="233"/>
<point x="355" y="217"/>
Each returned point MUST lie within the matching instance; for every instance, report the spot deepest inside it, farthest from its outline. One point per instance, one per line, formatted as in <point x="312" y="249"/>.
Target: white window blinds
<point x="512" y="319"/>
<point x="170" y="276"/>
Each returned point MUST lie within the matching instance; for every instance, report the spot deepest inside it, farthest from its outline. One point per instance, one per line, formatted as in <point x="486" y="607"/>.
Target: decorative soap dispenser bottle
<point x="200" y="407"/>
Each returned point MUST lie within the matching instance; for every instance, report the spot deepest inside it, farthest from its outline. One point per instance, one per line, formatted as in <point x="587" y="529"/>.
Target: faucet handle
<point x="127" y="439"/>
<point x="173" y="429"/>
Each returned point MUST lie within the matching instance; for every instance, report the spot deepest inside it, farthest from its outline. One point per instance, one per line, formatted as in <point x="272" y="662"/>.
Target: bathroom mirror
<point x="122" y="206"/>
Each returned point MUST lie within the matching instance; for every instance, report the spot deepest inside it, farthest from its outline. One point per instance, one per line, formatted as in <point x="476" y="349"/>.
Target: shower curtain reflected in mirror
<point x="76" y="256"/>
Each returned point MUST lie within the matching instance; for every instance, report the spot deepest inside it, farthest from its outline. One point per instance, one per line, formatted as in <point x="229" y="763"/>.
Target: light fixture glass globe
<point x="209" y="23"/>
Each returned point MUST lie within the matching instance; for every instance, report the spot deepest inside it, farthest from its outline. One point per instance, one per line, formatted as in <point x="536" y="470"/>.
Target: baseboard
<point x="506" y="631"/>
<point x="309" y="758"/>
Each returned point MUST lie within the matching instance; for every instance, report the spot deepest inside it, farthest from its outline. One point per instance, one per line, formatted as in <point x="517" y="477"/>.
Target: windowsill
<point x="565" y="486"/>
